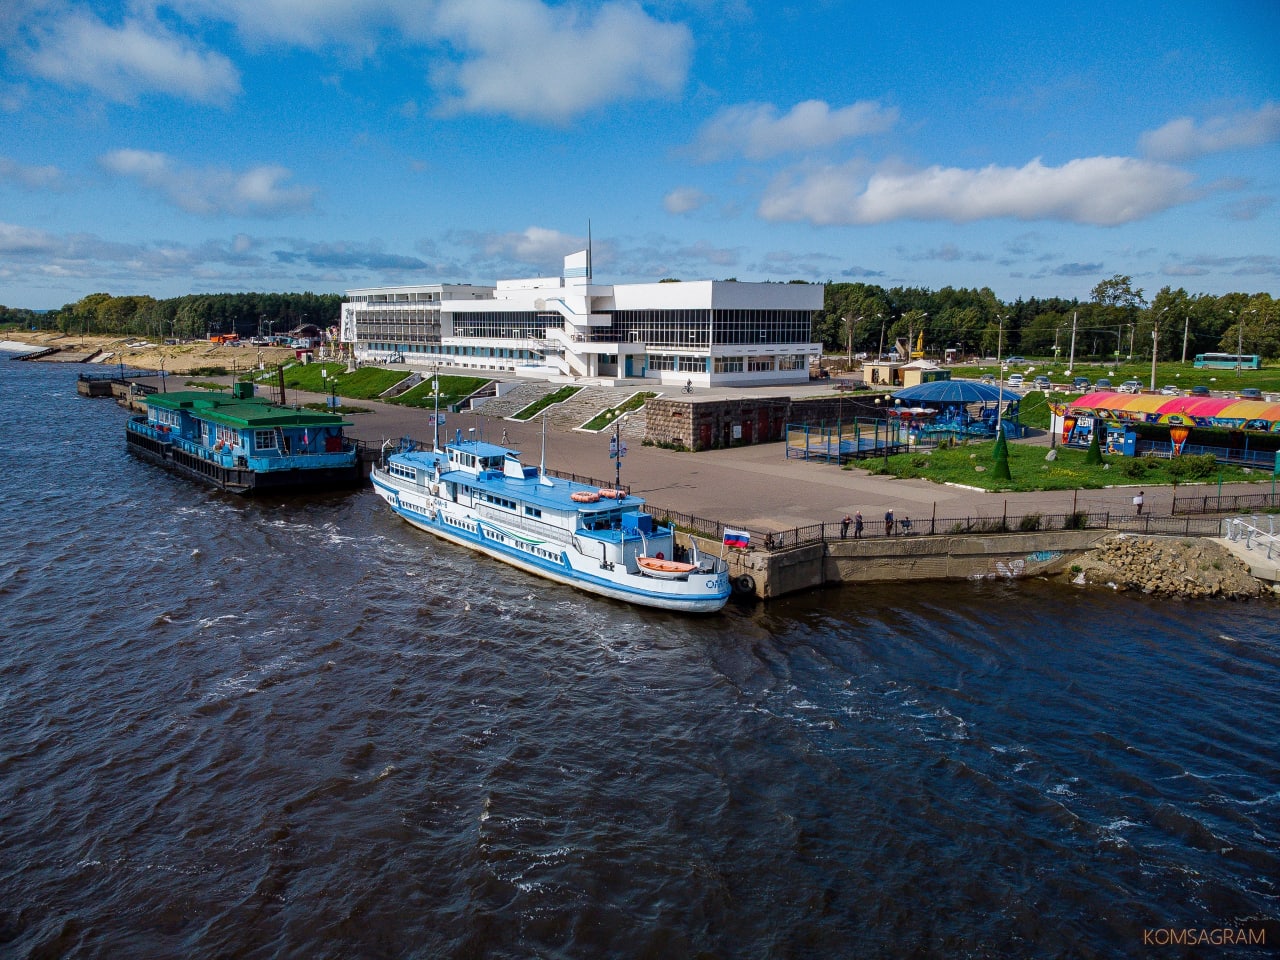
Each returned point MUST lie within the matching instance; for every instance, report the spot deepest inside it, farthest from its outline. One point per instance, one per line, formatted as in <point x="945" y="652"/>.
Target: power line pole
<point x="1071" y="365"/>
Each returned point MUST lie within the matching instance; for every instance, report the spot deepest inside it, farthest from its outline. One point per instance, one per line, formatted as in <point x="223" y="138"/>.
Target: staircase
<point x="572" y="413"/>
<point x="517" y="399"/>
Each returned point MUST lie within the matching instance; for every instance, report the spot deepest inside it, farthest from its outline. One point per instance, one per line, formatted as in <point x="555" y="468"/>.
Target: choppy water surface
<point x="267" y="729"/>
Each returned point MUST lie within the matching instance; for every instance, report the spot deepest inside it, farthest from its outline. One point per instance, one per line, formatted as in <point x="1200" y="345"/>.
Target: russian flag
<point x="736" y="538"/>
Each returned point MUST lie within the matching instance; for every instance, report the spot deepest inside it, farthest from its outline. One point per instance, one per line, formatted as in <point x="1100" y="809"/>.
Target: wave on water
<point x="297" y="728"/>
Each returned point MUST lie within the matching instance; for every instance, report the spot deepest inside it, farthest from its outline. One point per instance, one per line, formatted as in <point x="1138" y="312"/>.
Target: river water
<point x="242" y="728"/>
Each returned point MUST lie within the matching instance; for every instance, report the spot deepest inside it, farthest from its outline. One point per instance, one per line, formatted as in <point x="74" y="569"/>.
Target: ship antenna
<point x="542" y="463"/>
<point x="435" y="423"/>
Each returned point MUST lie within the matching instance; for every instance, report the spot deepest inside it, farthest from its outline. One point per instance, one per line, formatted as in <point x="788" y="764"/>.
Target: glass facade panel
<point x="504" y="324"/>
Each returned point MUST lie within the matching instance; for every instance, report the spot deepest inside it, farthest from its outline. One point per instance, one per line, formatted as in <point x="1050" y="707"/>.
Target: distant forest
<point x="866" y="318"/>
<point x="196" y="316"/>
<point x="1116" y="320"/>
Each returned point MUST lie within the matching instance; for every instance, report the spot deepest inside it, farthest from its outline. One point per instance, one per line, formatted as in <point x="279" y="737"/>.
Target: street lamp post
<point x="1000" y="371"/>
<point x="1155" y="343"/>
<point x="1240" y="338"/>
<point x="849" y="327"/>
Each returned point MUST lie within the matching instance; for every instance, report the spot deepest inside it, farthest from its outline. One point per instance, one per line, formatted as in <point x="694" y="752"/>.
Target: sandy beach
<point x="144" y="355"/>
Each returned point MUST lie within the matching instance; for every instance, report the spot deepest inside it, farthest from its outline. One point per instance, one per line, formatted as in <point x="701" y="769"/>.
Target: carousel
<point x="957" y="409"/>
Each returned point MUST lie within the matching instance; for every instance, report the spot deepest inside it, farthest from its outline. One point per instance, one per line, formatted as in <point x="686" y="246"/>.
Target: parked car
<point x="1080" y="383"/>
<point x="1170" y="391"/>
<point x="1200" y="392"/>
<point x="1131" y="386"/>
<point x="1250" y="393"/>
<point x="1041" y="382"/>
<point x="1103" y="384"/>
<point x="1015" y="360"/>
<point x="1015" y="381"/>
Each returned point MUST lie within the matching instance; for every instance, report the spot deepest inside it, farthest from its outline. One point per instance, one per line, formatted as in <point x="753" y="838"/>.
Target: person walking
<point x="1137" y="502"/>
<point x="888" y="522"/>
<point x="857" y="525"/>
<point x="844" y="526"/>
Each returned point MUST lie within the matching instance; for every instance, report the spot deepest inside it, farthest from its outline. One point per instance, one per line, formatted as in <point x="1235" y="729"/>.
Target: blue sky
<point x="230" y="145"/>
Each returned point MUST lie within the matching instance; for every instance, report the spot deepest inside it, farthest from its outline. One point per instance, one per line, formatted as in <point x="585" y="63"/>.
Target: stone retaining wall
<point x="960" y="557"/>
<point x="707" y="424"/>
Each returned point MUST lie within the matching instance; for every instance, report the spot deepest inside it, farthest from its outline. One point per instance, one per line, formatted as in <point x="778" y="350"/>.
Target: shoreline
<point x="756" y="487"/>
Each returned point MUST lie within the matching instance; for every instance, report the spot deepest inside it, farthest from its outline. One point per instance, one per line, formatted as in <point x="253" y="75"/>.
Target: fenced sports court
<point x="842" y="441"/>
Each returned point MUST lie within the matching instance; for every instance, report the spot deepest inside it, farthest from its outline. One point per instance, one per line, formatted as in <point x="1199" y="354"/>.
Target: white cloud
<point x="537" y="246"/>
<point x="1184" y="139"/>
<point x="212" y="191"/>
<point x="685" y="200"/>
<point x="530" y="60"/>
<point x="125" y="62"/>
<point x="1103" y="191"/>
<point x="756" y="131"/>
<point x="525" y="58"/>
<point x="32" y="178"/>
<point x="309" y="23"/>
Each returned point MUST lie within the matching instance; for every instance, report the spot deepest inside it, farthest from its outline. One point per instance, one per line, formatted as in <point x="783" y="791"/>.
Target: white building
<point x="713" y="332"/>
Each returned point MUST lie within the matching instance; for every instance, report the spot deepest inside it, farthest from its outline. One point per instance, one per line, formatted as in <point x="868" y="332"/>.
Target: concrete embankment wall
<point x="957" y="557"/>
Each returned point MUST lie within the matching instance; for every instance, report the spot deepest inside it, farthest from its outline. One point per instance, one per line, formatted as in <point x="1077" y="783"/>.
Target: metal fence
<point x="907" y="526"/>
<point x="1225" y="503"/>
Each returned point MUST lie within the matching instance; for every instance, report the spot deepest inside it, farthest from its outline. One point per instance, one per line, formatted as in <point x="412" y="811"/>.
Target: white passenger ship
<point x="480" y="495"/>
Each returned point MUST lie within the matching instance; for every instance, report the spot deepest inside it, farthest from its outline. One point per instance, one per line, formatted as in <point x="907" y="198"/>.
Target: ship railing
<point x="261" y="462"/>
<point x="552" y="535"/>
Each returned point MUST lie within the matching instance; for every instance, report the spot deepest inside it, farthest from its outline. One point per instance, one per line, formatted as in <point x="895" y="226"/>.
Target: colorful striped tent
<point x="1221" y="412"/>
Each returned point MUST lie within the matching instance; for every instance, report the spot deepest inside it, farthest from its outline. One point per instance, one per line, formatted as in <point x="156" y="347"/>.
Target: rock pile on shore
<point x="1167" y="566"/>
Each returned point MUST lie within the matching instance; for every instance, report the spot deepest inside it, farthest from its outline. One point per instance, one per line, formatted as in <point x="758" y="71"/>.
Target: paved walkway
<point x="757" y="486"/>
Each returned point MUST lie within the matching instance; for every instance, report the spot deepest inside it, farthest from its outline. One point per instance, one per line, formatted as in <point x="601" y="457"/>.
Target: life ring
<point x="612" y="493"/>
<point x="584" y="496"/>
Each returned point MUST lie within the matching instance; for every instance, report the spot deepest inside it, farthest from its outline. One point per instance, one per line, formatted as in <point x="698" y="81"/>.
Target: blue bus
<point x="1228" y="361"/>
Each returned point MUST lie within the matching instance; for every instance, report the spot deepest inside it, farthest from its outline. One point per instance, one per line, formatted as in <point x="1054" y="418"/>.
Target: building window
<point x="264" y="440"/>
<point x="728" y="364"/>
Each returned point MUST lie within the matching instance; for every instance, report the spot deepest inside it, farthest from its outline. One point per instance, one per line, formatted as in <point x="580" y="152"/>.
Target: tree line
<point x="195" y="316"/>
<point x="1116" y="321"/>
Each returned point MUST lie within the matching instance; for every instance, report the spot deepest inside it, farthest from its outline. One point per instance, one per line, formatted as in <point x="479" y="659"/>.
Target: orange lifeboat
<point x="665" y="569"/>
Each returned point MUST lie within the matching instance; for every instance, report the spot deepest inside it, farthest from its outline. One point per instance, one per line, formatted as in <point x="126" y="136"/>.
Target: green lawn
<point x="367" y="383"/>
<point x="452" y="390"/>
<point x="1031" y="471"/>
<point x="606" y="417"/>
<point x="1181" y="375"/>
<point x="535" y="408"/>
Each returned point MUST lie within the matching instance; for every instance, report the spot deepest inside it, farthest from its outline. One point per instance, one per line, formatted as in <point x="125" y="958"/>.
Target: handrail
<point x="1236" y="529"/>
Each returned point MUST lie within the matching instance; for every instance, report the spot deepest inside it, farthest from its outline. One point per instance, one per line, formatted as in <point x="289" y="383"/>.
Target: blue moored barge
<point x="245" y="444"/>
